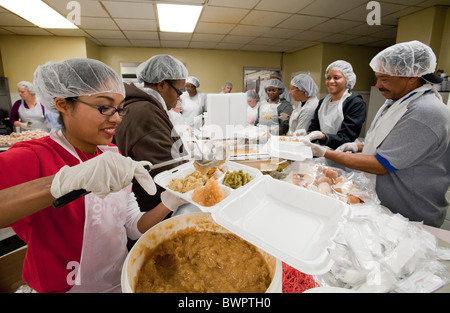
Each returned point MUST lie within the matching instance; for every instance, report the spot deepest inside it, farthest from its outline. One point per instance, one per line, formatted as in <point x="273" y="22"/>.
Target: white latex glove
<point x="284" y="116"/>
<point x="317" y="150"/>
<point x="24" y="126"/>
<point x="315" y="135"/>
<point x="171" y="201"/>
<point x="109" y="172"/>
<point x="300" y="132"/>
<point x="348" y="147"/>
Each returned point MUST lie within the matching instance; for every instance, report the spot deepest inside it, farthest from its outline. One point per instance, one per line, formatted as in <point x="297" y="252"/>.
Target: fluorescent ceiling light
<point x="178" y="18"/>
<point x="38" y="13"/>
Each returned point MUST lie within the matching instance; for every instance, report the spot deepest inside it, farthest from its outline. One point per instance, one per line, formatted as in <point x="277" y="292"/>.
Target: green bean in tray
<point x="236" y="179"/>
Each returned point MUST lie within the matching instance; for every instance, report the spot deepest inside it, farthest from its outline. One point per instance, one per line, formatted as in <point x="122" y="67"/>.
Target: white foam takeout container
<point x="289" y="148"/>
<point x="293" y="224"/>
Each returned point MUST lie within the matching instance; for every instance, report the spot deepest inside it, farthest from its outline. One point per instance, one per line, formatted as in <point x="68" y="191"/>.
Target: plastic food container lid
<point x="289" y="148"/>
<point x="293" y="224"/>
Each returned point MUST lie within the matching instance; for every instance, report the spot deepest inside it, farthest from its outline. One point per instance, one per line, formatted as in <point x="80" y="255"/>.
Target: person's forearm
<point x="152" y="217"/>
<point x="25" y="199"/>
<point x="360" y="162"/>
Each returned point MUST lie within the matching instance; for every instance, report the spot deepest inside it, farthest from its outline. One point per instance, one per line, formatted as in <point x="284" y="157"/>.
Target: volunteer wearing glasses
<point x="81" y="246"/>
<point x="339" y="116"/>
<point x="407" y="146"/>
<point x="146" y="132"/>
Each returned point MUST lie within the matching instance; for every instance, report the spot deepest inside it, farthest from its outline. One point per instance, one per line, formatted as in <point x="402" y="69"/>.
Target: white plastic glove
<point x="24" y="126"/>
<point x="284" y="117"/>
<point x="317" y="150"/>
<point x="351" y="147"/>
<point x="300" y="132"/>
<point x="171" y="201"/>
<point x="315" y="135"/>
<point x="109" y="172"/>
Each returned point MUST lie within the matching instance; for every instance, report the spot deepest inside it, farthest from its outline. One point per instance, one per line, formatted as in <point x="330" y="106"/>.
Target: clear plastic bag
<point x="316" y="175"/>
<point x="378" y="251"/>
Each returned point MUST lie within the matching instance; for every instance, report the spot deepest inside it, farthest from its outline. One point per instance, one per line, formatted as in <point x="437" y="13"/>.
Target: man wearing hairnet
<point x="407" y="146"/>
<point x="147" y="132"/>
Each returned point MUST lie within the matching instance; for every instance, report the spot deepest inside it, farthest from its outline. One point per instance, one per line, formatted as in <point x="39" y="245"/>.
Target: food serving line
<point x="321" y="240"/>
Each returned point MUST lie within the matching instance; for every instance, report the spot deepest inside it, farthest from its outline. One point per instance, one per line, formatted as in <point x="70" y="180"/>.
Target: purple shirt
<point x="14" y="114"/>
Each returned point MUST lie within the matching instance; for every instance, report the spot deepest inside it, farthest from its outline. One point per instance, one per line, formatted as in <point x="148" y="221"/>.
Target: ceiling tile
<point x="97" y="23"/>
<point x="222" y="15"/>
<point x="202" y="44"/>
<point x="264" y="18"/>
<point x="9" y="19"/>
<point x="330" y="8"/>
<point x="105" y="34"/>
<point x="247" y="30"/>
<point x="30" y="31"/>
<point x="338" y="38"/>
<point x="114" y="42"/>
<point x="145" y="43"/>
<point x="247" y="4"/>
<point x="168" y="36"/>
<point x="302" y="22"/>
<point x="136" y="24"/>
<point x="127" y="9"/>
<point x="88" y="7"/>
<point x="336" y="26"/>
<point x="174" y="43"/>
<point x="280" y="33"/>
<point x="288" y="6"/>
<point x="141" y="35"/>
<point x="214" y="28"/>
<point x="229" y="46"/>
<point x="237" y="39"/>
<point x="207" y="37"/>
<point x="311" y="35"/>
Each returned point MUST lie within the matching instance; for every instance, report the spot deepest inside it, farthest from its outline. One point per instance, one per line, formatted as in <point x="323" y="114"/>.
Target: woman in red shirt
<point x="80" y="247"/>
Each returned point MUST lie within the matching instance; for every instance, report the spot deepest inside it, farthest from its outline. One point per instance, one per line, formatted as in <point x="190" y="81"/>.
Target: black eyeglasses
<point x="179" y="92"/>
<point x="105" y="109"/>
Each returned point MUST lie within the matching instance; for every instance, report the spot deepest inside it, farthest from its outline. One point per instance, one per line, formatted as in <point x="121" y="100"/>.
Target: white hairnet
<point x="346" y="69"/>
<point x="252" y="94"/>
<point x="306" y="83"/>
<point x="274" y="83"/>
<point x="227" y="84"/>
<point x="193" y="80"/>
<point x="74" y="78"/>
<point x="407" y="59"/>
<point x="161" y="67"/>
<point x="28" y="86"/>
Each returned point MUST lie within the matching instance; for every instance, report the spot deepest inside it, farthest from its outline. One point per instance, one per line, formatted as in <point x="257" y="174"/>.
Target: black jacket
<point x="354" y="110"/>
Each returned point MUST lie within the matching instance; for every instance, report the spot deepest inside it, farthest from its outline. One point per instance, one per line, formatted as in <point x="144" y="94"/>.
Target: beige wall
<point x="306" y="60"/>
<point x="432" y="27"/>
<point x="317" y="58"/>
<point x="211" y="67"/>
<point x="21" y="55"/>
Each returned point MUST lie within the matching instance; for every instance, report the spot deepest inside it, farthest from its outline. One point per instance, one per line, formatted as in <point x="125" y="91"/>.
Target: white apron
<point x="192" y="107"/>
<point x="34" y="115"/>
<point x="268" y="114"/>
<point x="104" y="242"/>
<point x="387" y="117"/>
<point x="252" y="113"/>
<point x="331" y="115"/>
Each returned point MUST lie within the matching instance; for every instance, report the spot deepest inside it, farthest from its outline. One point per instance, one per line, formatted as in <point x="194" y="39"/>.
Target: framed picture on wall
<point x="255" y="76"/>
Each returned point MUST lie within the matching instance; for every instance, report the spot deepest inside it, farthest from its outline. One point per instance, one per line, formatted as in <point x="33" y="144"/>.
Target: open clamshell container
<point x="293" y="224"/>
<point x="163" y="179"/>
<point x="287" y="147"/>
